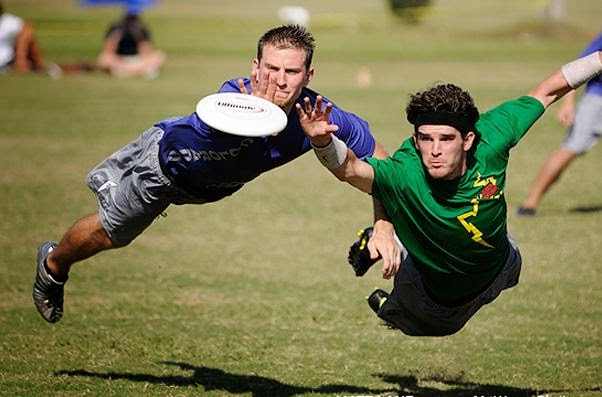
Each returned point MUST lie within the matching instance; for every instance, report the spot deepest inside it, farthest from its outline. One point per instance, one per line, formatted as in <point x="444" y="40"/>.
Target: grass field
<point x="252" y="296"/>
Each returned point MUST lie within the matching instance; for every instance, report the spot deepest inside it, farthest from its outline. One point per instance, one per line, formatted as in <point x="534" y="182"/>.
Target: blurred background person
<point x="19" y="50"/>
<point x="585" y="127"/>
<point x="128" y="51"/>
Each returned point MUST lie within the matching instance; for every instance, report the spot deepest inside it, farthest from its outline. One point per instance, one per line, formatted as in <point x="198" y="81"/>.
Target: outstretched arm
<point x="108" y="57"/>
<point x="383" y="242"/>
<point x="332" y="152"/>
<point x="567" y="78"/>
<point x="344" y="164"/>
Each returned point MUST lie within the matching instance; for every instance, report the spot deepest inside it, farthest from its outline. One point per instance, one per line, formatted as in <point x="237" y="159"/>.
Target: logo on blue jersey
<point x="190" y="154"/>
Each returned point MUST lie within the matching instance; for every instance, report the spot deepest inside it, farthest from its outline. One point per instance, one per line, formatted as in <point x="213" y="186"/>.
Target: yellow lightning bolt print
<point x="472" y="229"/>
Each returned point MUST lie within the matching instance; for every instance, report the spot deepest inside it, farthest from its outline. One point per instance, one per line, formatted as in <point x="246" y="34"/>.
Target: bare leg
<point x="549" y="173"/>
<point x="84" y="239"/>
<point x="36" y="56"/>
<point x="142" y="65"/>
<point x="28" y="55"/>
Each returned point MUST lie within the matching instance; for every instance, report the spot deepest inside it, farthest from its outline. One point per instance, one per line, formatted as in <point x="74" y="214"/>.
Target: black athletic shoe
<point x="523" y="211"/>
<point x="47" y="293"/>
<point x="359" y="255"/>
<point x="377" y="299"/>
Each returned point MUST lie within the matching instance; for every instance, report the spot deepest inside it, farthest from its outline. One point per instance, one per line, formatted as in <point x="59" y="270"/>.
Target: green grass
<point x="252" y="295"/>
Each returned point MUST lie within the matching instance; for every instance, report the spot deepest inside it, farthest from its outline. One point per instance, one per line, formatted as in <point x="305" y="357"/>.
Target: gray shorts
<point x="131" y="188"/>
<point x="410" y="308"/>
<point x="587" y="126"/>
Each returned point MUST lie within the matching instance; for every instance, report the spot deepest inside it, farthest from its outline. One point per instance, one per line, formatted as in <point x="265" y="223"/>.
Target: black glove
<point x="359" y="255"/>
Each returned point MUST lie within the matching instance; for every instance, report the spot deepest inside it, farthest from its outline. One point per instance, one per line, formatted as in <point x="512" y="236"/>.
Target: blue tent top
<point x="131" y="6"/>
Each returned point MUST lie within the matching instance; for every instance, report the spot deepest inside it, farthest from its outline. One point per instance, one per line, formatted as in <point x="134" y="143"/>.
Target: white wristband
<point x="582" y="70"/>
<point x="332" y="155"/>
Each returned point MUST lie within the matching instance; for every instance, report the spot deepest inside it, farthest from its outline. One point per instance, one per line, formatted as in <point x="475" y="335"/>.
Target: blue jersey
<point x="210" y="164"/>
<point x="594" y="86"/>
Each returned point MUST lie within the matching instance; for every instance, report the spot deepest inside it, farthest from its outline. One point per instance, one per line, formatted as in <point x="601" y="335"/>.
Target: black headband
<point x="459" y="121"/>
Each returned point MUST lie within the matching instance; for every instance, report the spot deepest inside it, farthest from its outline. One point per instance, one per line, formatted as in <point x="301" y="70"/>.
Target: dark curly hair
<point x="289" y="36"/>
<point x="443" y="98"/>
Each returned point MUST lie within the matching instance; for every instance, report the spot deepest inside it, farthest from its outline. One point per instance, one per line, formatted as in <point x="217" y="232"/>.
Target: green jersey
<point x="455" y="231"/>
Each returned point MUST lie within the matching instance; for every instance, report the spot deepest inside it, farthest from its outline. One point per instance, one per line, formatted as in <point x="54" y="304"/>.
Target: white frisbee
<point x="241" y="114"/>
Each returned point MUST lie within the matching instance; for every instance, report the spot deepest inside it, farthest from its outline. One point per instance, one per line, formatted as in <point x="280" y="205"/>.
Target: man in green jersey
<point x="443" y="190"/>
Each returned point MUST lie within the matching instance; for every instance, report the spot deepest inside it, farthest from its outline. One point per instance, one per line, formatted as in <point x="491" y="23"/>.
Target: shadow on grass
<point x="457" y="387"/>
<point x="587" y="210"/>
<point x="213" y="379"/>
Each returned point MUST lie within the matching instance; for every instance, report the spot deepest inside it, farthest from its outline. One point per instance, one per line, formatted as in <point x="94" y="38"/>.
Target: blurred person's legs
<point x="147" y="65"/>
<point x="28" y="55"/>
<point x="548" y="174"/>
<point x="581" y="137"/>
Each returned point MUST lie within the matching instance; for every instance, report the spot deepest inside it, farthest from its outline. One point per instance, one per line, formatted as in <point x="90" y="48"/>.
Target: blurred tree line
<point x="411" y="11"/>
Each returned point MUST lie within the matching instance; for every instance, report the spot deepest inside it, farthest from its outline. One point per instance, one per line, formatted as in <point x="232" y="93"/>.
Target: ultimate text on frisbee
<point x="241" y="114"/>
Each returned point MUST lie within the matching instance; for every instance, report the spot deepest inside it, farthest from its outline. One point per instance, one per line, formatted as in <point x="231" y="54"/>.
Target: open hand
<point x="316" y="121"/>
<point x="264" y="88"/>
<point x="566" y="114"/>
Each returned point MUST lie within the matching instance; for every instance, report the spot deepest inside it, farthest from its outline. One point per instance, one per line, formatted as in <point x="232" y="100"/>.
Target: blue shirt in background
<point x="594" y="86"/>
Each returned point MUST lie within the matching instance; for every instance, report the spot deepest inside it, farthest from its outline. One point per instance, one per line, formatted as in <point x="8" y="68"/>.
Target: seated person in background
<point x="128" y="51"/>
<point x="18" y="48"/>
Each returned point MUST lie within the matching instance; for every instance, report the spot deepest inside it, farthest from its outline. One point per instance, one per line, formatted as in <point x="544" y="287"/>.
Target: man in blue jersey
<point x="184" y="161"/>
<point x="585" y="122"/>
